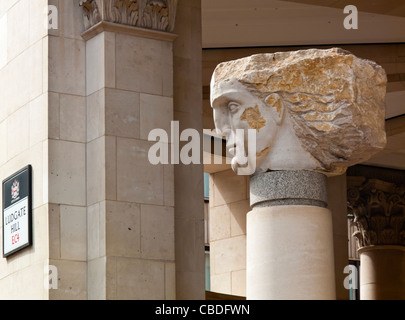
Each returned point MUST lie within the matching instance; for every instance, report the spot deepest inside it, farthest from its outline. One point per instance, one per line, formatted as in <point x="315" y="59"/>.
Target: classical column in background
<point x="379" y="210"/>
<point x="315" y="113"/>
<point x="130" y="202"/>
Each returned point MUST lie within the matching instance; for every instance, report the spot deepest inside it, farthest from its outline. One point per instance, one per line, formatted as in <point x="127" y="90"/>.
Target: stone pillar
<point x="290" y="119"/>
<point x="129" y="88"/>
<point x="289" y="237"/>
<point x="188" y="179"/>
<point x="382" y="273"/>
<point x="379" y="210"/>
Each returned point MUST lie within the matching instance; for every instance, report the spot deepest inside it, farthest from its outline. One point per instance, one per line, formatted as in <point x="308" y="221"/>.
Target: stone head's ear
<point x="274" y="101"/>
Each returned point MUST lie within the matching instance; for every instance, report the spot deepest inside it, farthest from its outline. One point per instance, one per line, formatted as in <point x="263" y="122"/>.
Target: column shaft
<point x="382" y="273"/>
<point x="289" y="238"/>
<point x="130" y="215"/>
<point x="378" y="208"/>
<point x="290" y="253"/>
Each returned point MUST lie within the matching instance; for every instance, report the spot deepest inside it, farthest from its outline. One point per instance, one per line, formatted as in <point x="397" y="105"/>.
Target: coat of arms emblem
<point x="15" y="190"/>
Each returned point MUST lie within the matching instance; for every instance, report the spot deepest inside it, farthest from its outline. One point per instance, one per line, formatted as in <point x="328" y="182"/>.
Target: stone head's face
<point x="236" y="107"/>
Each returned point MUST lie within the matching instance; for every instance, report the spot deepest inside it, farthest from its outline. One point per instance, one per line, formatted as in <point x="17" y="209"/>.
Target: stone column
<point x="314" y="113"/>
<point x="289" y="237"/>
<point x="129" y="88"/>
<point x="188" y="179"/>
<point x="379" y="210"/>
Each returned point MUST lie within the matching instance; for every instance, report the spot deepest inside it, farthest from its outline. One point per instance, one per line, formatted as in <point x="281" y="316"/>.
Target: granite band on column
<point x="278" y="188"/>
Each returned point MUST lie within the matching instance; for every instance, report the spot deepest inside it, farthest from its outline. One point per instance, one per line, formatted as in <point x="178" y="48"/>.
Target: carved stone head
<point x="321" y="110"/>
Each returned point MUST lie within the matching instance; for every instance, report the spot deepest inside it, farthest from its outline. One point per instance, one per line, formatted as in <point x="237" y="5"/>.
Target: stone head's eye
<point x="233" y="107"/>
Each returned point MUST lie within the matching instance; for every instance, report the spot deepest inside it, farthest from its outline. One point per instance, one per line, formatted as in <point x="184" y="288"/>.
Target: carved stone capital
<point x="379" y="211"/>
<point x="151" y="14"/>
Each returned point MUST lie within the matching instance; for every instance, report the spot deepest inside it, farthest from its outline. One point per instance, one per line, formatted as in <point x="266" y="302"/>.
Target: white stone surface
<point x="18" y="132"/>
<point x="38" y="117"/>
<point x="100" y="62"/>
<point x="21" y="72"/>
<point x="157" y="227"/>
<point x="38" y="20"/>
<point x="144" y="65"/>
<point x="18" y="28"/>
<point x="122" y="113"/>
<point x="67" y="178"/>
<point x="3" y="40"/>
<point x="72" y="280"/>
<point x="67" y="66"/>
<point x="97" y="281"/>
<point x="73" y="229"/>
<point x="95" y="115"/>
<point x="290" y="254"/>
<point x="140" y="279"/>
<point x="3" y="142"/>
<point x="143" y="184"/>
<point x="123" y="226"/>
<point x="95" y="165"/>
<point x="72" y="117"/>
<point x="155" y="112"/>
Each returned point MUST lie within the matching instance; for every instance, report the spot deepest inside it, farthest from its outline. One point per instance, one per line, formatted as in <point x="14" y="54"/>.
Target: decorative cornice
<point x="379" y="211"/>
<point x="150" y="14"/>
<point x="125" y="29"/>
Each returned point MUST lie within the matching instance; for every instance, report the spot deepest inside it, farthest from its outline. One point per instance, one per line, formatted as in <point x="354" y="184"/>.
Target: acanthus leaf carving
<point x="156" y="15"/>
<point x="91" y="13"/>
<point x="122" y="11"/>
<point x="151" y="14"/>
<point x="379" y="211"/>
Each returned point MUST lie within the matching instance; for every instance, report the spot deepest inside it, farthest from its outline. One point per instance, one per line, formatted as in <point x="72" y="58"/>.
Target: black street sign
<point x="17" y="212"/>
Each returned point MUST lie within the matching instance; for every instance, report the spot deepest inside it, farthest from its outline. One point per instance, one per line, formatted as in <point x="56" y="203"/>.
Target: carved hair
<point x="335" y="100"/>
